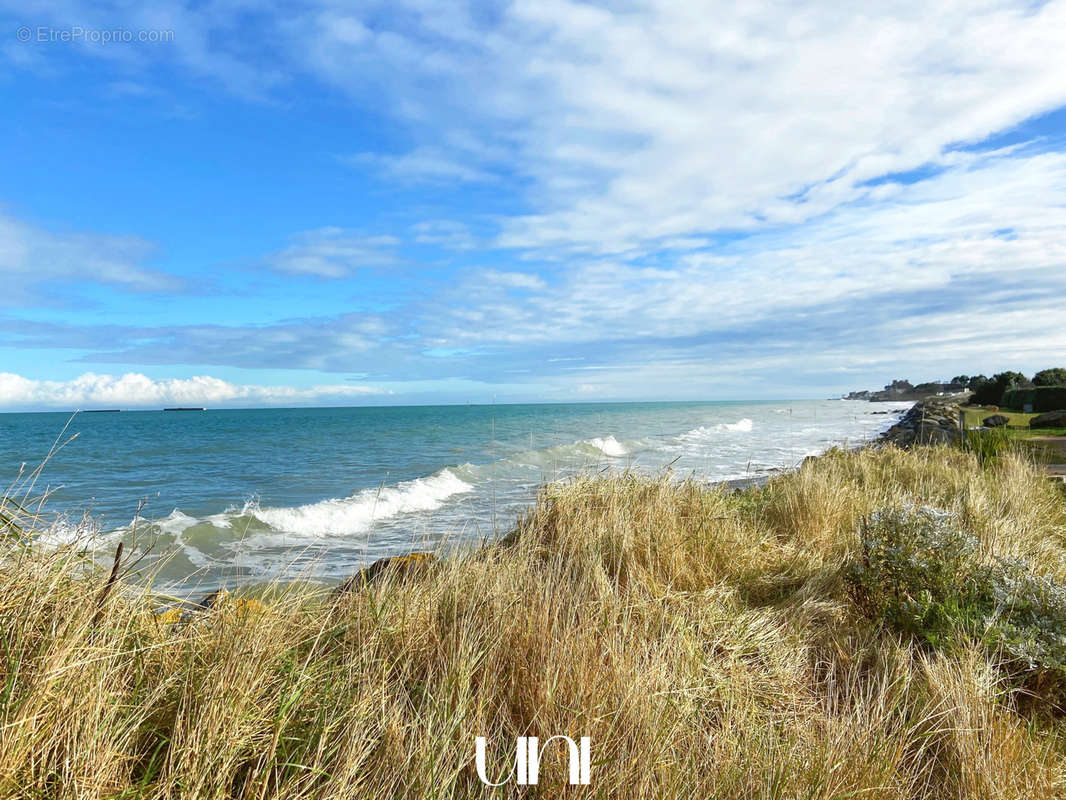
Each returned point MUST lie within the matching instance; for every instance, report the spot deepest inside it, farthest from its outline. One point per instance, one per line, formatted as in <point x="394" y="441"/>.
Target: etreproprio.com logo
<point x="49" y="34"/>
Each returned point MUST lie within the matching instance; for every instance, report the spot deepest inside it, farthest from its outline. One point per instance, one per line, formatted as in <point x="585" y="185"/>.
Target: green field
<point x="1017" y="426"/>
<point x="1046" y="445"/>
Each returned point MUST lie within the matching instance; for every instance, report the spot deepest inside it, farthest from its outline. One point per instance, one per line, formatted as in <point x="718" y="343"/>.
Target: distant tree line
<point x="992" y="391"/>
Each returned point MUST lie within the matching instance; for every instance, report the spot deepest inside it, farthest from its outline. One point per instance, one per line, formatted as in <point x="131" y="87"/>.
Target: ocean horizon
<point x="231" y="496"/>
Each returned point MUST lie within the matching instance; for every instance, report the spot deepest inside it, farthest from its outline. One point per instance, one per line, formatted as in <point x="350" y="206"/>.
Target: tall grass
<point x="705" y="641"/>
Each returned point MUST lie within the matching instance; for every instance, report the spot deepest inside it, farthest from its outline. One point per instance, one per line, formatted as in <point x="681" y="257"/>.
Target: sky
<point x="317" y="203"/>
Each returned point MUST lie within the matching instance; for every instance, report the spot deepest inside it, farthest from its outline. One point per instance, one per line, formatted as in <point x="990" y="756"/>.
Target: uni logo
<point x="527" y="760"/>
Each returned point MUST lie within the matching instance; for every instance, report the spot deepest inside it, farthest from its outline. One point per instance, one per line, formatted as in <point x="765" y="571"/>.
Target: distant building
<point x="905" y="390"/>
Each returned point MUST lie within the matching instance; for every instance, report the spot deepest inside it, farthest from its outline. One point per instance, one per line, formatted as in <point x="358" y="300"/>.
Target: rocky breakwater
<point x="934" y="420"/>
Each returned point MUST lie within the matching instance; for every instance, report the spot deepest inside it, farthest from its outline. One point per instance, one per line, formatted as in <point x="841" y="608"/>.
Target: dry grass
<point x="704" y="640"/>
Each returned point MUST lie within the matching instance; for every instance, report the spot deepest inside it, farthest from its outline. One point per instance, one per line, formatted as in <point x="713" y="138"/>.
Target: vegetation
<point x="1050" y="377"/>
<point x="923" y="574"/>
<point x="878" y="624"/>
<point x="975" y="416"/>
<point x="1046" y="445"/>
<point x="988" y="445"/>
<point x="1037" y="398"/>
<point x="985" y="391"/>
<point x="998" y="389"/>
<point x="991" y="392"/>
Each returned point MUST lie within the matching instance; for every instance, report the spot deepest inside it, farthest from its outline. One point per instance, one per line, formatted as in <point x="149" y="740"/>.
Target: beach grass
<point x="711" y="643"/>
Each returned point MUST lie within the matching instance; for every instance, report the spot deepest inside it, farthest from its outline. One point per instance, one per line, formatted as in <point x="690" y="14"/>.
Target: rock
<point x="935" y="433"/>
<point x="931" y="421"/>
<point x="219" y="602"/>
<point x="171" y="616"/>
<point x="995" y="421"/>
<point x="401" y="568"/>
<point x="213" y="599"/>
<point x="222" y="600"/>
<point x="1052" y="419"/>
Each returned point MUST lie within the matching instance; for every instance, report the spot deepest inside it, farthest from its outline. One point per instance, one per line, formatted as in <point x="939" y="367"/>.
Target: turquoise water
<point x="235" y="495"/>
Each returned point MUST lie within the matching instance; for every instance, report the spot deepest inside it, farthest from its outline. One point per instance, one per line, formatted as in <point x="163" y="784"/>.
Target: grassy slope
<point x="704" y="640"/>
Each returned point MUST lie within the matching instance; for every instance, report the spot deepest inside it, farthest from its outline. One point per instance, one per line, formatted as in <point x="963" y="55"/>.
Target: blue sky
<point x="416" y="202"/>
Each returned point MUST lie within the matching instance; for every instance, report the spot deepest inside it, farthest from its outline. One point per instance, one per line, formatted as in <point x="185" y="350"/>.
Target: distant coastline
<point x="904" y="390"/>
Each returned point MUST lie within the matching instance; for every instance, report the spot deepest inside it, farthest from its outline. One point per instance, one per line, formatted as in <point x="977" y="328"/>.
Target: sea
<point x="226" y="497"/>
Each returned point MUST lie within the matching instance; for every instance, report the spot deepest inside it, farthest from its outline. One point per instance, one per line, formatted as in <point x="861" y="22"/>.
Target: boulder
<point x="223" y="601"/>
<point x="995" y="421"/>
<point x="1052" y="419"/>
<point x="931" y="421"/>
<point x="935" y="433"/>
<point x="399" y="568"/>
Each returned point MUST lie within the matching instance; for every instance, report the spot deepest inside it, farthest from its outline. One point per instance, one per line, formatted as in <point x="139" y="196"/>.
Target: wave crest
<point x="356" y="514"/>
<point x="744" y="425"/>
<point x="609" y="446"/>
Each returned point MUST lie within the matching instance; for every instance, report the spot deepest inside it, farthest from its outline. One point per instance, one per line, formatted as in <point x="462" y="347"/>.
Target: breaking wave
<point x="357" y="513"/>
<point x="744" y="425"/>
<point x="609" y="446"/>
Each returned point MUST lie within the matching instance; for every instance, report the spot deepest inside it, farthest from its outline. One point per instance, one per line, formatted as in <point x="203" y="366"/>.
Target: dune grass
<point x="710" y="643"/>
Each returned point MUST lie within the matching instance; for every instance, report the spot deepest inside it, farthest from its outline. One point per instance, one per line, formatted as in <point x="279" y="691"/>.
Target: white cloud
<point x="31" y="256"/>
<point x="982" y="238"/>
<point x="662" y="119"/>
<point x="423" y="164"/>
<point x="134" y="390"/>
<point x="624" y="140"/>
<point x="334" y="253"/>
<point x="733" y="116"/>
<point x="649" y="121"/>
<point x="445" y="233"/>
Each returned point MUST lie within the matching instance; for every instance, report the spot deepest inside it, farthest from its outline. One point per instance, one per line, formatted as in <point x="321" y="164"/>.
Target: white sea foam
<point x="743" y="426"/>
<point x="62" y="533"/>
<point x="84" y="534"/>
<point x="355" y="514"/>
<point x="175" y="522"/>
<point x="609" y="446"/>
<point x="701" y="433"/>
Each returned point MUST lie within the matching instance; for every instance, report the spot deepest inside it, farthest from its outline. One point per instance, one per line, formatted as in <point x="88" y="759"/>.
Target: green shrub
<point x="992" y="391"/>
<point x="987" y="445"/>
<point x="1042" y="398"/>
<point x="922" y="574"/>
<point x="1050" y="377"/>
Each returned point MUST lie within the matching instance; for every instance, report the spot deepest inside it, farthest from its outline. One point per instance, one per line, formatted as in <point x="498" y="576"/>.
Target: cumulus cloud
<point x="916" y="282"/>
<point x="134" y="390"/>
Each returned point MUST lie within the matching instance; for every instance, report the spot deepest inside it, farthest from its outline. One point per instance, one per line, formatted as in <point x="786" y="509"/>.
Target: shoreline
<point x="188" y="588"/>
